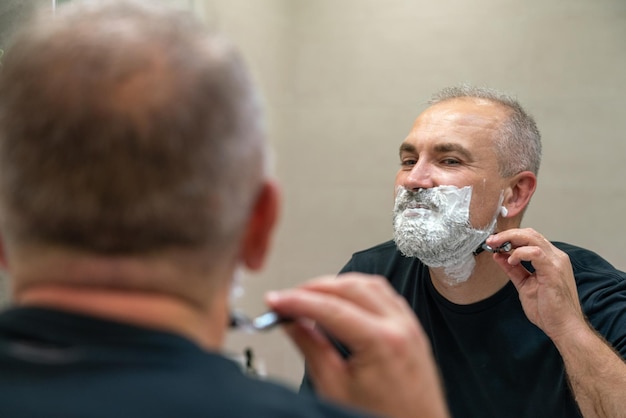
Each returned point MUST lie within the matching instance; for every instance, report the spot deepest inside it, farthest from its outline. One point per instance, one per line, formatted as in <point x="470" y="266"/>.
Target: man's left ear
<point x="517" y="196"/>
<point x="258" y="234"/>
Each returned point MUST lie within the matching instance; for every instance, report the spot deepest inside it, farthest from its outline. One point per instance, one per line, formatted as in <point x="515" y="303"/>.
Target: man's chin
<point x="411" y="249"/>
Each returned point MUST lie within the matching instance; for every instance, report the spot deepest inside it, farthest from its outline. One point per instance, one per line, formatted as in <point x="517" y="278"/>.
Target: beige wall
<point x="344" y="79"/>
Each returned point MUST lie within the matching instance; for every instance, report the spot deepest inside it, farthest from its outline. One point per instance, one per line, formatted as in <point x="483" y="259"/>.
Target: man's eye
<point x="408" y="162"/>
<point x="450" y="161"/>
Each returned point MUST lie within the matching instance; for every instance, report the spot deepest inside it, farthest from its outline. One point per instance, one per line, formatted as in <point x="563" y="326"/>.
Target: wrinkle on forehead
<point x="464" y="121"/>
<point x="468" y="111"/>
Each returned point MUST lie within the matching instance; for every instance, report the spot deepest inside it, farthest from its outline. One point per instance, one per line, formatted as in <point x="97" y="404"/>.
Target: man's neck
<point x="206" y="327"/>
<point x="486" y="279"/>
<point x="169" y="291"/>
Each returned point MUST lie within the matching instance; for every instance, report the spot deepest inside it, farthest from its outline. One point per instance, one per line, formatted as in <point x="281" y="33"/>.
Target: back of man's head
<point x="126" y="128"/>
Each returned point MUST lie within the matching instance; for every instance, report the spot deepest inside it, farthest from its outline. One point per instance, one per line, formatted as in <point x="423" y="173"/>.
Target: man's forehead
<point x="464" y="110"/>
<point x="458" y="121"/>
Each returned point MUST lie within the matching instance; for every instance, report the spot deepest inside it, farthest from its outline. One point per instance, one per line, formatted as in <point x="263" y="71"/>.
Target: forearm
<point x="596" y="372"/>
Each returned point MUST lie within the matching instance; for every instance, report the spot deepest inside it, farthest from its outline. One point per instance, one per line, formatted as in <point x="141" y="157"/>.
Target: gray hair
<point x="127" y="128"/>
<point x="519" y="144"/>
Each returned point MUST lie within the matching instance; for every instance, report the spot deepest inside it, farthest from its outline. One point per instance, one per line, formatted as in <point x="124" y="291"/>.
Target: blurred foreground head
<point x="126" y="129"/>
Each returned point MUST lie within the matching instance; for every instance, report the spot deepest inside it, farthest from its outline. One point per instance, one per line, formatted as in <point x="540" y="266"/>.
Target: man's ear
<point x="521" y="189"/>
<point x="263" y="218"/>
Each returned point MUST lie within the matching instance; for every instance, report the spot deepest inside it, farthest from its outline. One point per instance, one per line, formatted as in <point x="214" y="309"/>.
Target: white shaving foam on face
<point x="433" y="225"/>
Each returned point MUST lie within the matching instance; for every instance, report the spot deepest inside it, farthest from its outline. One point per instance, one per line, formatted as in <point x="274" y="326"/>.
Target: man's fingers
<point x="371" y="293"/>
<point x="344" y="320"/>
<point x="517" y="273"/>
<point x="529" y="246"/>
<point x="355" y="309"/>
<point x="519" y="238"/>
<point x="324" y="364"/>
<point x="389" y="350"/>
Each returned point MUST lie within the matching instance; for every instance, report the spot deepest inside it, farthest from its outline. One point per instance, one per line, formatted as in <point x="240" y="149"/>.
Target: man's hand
<point x="596" y="372"/>
<point x="391" y="370"/>
<point x="548" y="295"/>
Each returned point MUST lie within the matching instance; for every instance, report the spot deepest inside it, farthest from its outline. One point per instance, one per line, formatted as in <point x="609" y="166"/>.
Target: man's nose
<point x="420" y="177"/>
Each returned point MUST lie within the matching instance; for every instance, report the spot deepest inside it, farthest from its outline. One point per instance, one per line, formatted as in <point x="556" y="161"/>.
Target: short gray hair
<point x="519" y="145"/>
<point x="127" y="128"/>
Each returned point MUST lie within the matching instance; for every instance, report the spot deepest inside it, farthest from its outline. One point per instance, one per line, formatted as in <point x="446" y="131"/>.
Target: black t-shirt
<point x="60" y="365"/>
<point x="494" y="361"/>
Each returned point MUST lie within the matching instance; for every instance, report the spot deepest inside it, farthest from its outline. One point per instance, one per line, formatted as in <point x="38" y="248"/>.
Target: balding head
<point x="125" y="128"/>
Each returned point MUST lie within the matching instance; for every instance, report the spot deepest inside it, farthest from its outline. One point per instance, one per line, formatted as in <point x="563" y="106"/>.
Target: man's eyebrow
<point x="439" y="148"/>
<point x="406" y="147"/>
<point x="452" y="147"/>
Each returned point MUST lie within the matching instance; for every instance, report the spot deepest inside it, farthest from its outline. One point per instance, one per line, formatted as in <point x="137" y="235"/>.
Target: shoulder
<point x="602" y="293"/>
<point x="268" y="399"/>
<point x="379" y="259"/>
<point x="228" y="392"/>
<point x="386" y="260"/>
<point x="588" y="265"/>
<point x="385" y="249"/>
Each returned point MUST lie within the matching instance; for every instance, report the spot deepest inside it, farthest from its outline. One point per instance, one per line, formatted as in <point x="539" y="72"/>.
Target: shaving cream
<point x="433" y="225"/>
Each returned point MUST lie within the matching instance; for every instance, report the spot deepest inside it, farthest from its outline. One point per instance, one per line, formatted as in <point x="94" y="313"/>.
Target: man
<point x="505" y="313"/>
<point x="133" y="185"/>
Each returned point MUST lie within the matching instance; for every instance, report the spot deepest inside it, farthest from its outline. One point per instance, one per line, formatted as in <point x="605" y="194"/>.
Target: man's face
<point x="448" y="188"/>
<point x="452" y="144"/>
